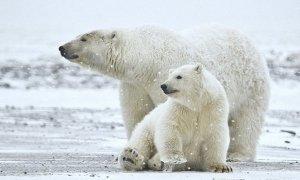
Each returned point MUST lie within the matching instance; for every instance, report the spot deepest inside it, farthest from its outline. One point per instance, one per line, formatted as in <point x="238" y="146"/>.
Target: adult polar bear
<point x="141" y="57"/>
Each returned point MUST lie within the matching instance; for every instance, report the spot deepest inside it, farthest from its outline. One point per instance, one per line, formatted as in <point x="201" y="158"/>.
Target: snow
<point x="68" y="98"/>
<point x="284" y="96"/>
<point x="59" y="121"/>
<point x="291" y="175"/>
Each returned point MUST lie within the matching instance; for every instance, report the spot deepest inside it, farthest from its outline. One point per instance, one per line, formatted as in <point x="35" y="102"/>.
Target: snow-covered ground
<point x="59" y="121"/>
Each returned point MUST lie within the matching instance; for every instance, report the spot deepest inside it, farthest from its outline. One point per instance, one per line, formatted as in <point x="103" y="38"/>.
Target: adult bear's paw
<point x="220" y="167"/>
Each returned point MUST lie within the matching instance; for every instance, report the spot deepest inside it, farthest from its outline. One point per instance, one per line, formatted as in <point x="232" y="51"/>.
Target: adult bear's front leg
<point x="135" y="104"/>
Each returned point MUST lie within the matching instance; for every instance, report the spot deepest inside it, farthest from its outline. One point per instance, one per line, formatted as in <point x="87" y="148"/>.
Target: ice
<point x="94" y="99"/>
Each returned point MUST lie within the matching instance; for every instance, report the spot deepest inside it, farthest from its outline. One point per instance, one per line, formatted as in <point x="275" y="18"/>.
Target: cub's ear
<point x="198" y="68"/>
<point x="171" y="70"/>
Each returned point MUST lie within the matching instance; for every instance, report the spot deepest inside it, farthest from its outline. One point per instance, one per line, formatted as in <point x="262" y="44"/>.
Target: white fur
<point x="141" y="57"/>
<point x="191" y="126"/>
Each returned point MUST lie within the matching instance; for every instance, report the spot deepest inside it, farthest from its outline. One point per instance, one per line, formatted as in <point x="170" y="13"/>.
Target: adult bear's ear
<point x="111" y="36"/>
<point x="114" y="38"/>
<point x="171" y="70"/>
<point x="114" y="35"/>
<point x="198" y="68"/>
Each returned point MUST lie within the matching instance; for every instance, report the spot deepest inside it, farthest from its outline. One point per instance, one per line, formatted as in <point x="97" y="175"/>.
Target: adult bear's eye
<point x="178" y="77"/>
<point x="83" y="39"/>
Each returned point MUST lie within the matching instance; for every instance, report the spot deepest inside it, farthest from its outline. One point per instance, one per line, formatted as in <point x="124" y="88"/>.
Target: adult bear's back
<point x="234" y="61"/>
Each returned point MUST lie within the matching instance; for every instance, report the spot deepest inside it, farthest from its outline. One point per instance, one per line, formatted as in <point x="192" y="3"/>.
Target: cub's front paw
<point x="174" y="159"/>
<point x="220" y="167"/>
<point x="131" y="160"/>
<point x="155" y="164"/>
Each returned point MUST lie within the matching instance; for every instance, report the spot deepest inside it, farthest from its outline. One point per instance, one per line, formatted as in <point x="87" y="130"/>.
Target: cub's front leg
<point x="214" y="150"/>
<point x="169" y="145"/>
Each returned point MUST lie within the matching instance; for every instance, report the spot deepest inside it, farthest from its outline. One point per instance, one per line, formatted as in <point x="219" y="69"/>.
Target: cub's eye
<point x="178" y="77"/>
<point x="83" y="39"/>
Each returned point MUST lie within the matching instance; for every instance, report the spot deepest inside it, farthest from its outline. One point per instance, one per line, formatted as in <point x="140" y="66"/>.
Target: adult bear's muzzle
<point x="66" y="54"/>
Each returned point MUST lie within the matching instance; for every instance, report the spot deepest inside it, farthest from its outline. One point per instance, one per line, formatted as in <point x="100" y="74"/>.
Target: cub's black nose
<point x="163" y="87"/>
<point x="61" y="49"/>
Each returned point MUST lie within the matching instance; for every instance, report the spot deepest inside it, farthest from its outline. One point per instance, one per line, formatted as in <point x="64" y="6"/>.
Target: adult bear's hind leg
<point x="246" y="120"/>
<point x="245" y="128"/>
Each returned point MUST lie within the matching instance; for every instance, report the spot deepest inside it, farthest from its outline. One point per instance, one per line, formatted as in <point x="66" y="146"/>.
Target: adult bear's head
<point x="97" y="50"/>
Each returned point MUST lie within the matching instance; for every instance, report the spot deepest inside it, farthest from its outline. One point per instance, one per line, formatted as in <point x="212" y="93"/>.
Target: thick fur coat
<point x="141" y="57"/>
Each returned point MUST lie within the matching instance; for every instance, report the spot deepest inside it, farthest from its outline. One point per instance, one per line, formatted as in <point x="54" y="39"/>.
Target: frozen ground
<point x="59" y="121"/>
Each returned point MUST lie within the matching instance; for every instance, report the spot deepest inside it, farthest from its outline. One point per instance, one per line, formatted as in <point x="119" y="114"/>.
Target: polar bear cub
<point x="188" y="132"/>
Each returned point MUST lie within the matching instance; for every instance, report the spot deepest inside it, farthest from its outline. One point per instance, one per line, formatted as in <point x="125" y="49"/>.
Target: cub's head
<point x="94" y="50"/>
<point x="184" y="83"/>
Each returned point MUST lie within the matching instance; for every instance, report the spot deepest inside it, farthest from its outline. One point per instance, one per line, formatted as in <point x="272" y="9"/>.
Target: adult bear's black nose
<point x="163" y="87"/>
<point x="61" y="49"/>
<point x="66" y="53"/>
